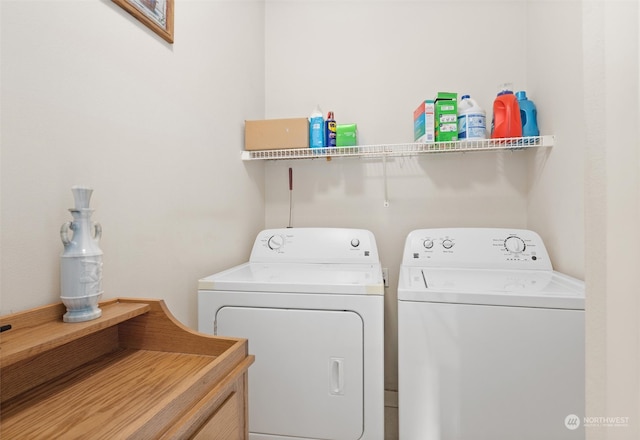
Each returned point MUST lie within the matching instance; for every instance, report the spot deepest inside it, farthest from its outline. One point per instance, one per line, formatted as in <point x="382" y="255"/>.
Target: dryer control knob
<point x="275" y="242"/>
<point x="355" y="242"/>
<point x="514" y="244"/>
<point x="447" y="244"/>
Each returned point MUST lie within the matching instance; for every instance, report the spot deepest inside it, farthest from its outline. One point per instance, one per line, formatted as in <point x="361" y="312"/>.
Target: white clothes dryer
<point x="311" y="302"/>
<point x="490" y="339"/>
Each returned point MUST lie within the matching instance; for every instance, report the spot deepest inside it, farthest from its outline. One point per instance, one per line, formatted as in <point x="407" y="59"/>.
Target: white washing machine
<point x="310" y="301"/>
<point x="490" y="339"/>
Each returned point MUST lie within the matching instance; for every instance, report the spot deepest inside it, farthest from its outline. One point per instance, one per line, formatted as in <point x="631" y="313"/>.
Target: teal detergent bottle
<point x="316" y="129"/>
<point x="528" y="114"/>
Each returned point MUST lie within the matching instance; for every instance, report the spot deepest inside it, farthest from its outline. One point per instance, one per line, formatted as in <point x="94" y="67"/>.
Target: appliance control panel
<point x="483" y="248"/>
<point x="315" y="245"/>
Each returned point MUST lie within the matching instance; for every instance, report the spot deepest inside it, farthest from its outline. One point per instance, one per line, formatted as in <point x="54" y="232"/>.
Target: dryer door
<point x="307" y="379"/>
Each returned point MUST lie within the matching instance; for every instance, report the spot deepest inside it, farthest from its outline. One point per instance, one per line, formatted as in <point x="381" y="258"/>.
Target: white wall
<point x="612" y="113"/>
<point x="375" y="62"/>
<point x="555" y="201"/>
<point x="91" y="96"/>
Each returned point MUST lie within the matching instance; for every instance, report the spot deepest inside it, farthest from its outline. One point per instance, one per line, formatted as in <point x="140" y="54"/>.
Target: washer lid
<point x="350" y="279"/>
<point x="522" y="288"/>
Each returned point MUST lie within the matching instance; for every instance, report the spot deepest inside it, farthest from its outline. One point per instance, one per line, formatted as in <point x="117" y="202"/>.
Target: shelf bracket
<point x="384" y="174"/>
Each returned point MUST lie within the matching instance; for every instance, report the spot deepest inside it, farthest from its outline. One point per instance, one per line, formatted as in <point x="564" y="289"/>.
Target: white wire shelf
<point x="408" y="149"/>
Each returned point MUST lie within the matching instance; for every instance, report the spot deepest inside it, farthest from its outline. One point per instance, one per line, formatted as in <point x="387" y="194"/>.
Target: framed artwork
<point x="155" y="14"/>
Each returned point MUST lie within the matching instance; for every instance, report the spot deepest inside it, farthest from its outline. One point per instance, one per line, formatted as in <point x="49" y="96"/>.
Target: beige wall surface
<point x="555" y="198"/>
<point x="90" y="96"/>
<point x="387" y="59"/>
<point x="612" y="114"/>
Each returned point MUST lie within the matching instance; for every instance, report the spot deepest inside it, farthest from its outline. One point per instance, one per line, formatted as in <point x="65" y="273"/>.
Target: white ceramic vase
<point x="81" y="261"/>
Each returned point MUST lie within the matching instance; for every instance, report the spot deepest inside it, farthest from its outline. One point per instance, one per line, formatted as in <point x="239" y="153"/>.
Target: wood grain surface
<point x="134" y="373"/>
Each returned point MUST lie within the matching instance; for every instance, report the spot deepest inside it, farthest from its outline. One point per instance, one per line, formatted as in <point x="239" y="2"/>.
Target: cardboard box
<point x="346" y="135"/>
<point x="276" y="134"/>
<point x="446" y="117"/>
<point x="424" y="122"/>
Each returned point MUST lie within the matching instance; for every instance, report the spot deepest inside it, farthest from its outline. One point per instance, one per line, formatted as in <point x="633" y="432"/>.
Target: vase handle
<point x="97" y="231"/>
<point x="64" y="232"/>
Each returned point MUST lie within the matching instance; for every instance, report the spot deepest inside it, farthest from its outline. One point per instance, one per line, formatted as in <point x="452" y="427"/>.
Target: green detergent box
<point x="424" y="122"/>
<point x="346" y="135"/>
<point x="446" y="115"/>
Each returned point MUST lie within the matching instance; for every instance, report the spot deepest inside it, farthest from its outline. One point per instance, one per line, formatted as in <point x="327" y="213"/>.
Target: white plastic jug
<point x="472" y="119"/>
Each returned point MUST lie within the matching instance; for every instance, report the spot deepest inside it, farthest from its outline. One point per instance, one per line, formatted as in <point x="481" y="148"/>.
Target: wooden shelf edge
<point x="159" y="330"/>
<point x="36" y="331"/>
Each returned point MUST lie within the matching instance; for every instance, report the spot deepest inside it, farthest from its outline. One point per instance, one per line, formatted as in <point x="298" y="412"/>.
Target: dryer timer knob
<point x="514" y="244"/>
<point x="275" y="242"/>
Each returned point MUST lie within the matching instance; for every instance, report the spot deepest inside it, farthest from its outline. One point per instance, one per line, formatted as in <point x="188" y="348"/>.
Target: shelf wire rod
<point x="386" y="189"/>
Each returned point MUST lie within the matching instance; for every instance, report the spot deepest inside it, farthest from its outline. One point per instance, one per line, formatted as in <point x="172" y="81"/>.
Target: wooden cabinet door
<point x="224" y="422"/>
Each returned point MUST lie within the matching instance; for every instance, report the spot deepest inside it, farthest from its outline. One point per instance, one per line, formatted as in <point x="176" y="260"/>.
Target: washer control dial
<point x="514" y="244"/>
<point x="447" y="244"/>
<point x="275" y="242"/>
<point x="428" y="243"/>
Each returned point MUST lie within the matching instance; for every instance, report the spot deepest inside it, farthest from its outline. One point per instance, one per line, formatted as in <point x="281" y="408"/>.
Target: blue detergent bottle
<point x="528" y="114"/>
<point x="316" y="129"/>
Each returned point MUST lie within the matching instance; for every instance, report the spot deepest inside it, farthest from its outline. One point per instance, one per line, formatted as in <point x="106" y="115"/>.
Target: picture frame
<point x="157" y="15"/>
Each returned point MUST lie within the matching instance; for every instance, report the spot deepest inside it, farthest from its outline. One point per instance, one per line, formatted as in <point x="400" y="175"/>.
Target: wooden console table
<point x="133" y="373"/>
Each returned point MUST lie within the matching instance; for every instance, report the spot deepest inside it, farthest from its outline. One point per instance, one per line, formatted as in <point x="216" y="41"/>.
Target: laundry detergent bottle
<point x="528" y="115"/>
<point x="316" y="129"/>
<point x="471" y="119"/>
<point x="506" y="122"/>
